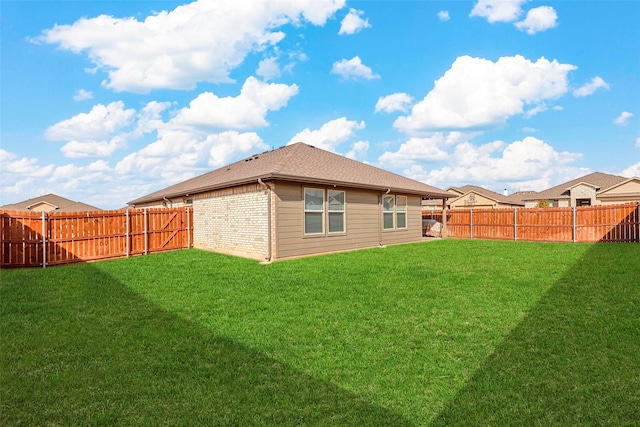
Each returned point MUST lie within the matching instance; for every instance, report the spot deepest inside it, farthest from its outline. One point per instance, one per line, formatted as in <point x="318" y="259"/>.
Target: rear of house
<point x="298" y="200"/>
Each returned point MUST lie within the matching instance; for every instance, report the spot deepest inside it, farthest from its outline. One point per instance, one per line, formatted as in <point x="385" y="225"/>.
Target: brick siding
<point x="232" y="221"/>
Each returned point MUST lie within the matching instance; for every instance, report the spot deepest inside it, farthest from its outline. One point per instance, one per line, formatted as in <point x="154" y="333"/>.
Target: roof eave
<point x="289" y="178"/>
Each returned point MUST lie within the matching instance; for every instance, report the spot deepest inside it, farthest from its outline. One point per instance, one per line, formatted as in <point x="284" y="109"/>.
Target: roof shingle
<point x="297" y="162"/>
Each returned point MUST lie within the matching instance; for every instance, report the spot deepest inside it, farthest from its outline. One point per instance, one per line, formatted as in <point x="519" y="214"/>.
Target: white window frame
<point x="313" y="211"/>
<point x="401" y="210"/>
<point x="391" y="212"/>
<point x="397" y="210"/>
<point x="343" y="211"/>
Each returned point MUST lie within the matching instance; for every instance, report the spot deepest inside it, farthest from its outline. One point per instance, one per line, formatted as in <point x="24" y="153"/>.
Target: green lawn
<point x="447" y="332"/>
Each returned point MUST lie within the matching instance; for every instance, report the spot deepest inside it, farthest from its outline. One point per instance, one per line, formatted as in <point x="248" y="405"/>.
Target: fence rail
<point x="609" y="223"/>
<point x="32" y="239"/>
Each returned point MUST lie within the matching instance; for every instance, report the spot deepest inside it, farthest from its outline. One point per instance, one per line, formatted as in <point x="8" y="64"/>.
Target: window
<point x="336" y="211"/>
<point x="313" y="211"/>
<point x="320" y="216"/>
<point x="394" y="212"/>
<point x="388" y="210"/>
<point x="401" y="211"/>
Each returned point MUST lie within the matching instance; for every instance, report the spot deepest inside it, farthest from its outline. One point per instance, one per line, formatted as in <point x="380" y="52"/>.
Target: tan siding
<point x="363" y="228"/>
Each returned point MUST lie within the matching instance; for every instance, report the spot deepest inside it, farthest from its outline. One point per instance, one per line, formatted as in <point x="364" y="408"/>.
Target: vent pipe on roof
<point x="506" y="193"/>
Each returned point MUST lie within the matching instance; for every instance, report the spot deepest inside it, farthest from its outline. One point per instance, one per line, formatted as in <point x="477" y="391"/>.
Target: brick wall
<point x="232" y="221"/>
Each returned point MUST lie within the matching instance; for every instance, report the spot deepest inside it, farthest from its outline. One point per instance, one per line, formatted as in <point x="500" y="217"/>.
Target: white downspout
<point x="267" y="260"/>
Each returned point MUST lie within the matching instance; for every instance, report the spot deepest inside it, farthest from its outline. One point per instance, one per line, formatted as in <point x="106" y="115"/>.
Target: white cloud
<point x="19" y="176"/>
<point x="353" y="69"/>
<point x="443" y="15"/>
<point x="178" y="155"/>
<point x="247" y="110"/>
<point x="199" y="41"/>
<point x="588" y="88"/>
<point x="98" y="123"/>
<point x="498" y="10"/>
<point x="393" y="102"/>
<point x="97" y="133"/>
<point x="631" y="171"/>
<point x="330" y="134"/>
<point x="623" y="118"/>
<point x="82" y="95"/>
<point x="358" y="149"/>
<point x="417" y="150"/>
<point x="353" y="23"/>
<point x="538" y="19"/>
<point x="530" y="160"/>
<point x="478" y="93"/>
<point x="535" y="110"/>
<point x="268" y="69"/>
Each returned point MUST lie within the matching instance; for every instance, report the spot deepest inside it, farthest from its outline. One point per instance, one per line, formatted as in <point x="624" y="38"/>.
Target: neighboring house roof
<point x="301" y="163"/>
<point x="613" y="191"/>
<point x="492" y="195"/>
<point x="600" y="181"/>
<point x="53" y="202"/>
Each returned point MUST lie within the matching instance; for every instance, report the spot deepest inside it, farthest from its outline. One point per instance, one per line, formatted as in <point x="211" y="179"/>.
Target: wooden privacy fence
<point x="40" y="239"/>
<point x="608" y="223"/>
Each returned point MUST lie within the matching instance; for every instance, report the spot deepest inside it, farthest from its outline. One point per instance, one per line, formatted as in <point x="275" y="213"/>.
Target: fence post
<point x="44" y="240"/>
<point x="146" y="232"/>
<point x="471" y="223"/>
<point x="188" y="228"/>
<point x="574" y="230"/>
<point x="515" y="223"/>
<point x="128" y="231"/>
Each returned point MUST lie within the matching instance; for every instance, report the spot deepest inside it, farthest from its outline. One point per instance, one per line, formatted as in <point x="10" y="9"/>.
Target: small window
<point x="336" y="211"/>
<point x="313" y="211"/>
<point x="388" y="210"/>
<point x="188" y="201"/>
<point x="401" y="211"/>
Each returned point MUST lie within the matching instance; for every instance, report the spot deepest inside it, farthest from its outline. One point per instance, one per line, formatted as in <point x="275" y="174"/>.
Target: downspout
<point x="268" y="188"/>
<point x="168" y="202"/>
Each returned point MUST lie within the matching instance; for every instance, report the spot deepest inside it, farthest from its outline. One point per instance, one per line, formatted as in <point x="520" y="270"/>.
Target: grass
<point x="449" y="332"/>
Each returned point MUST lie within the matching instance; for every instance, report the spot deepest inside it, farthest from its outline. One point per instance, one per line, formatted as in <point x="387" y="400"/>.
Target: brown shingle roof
<point x="507" y="200"/>
<point x="599" y="180"/>
<point x="62" y="204"/>
<point x="297" y="162"/>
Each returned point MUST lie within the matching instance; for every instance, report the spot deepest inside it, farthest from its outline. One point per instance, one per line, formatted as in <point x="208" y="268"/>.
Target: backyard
<point x="445" y="332"/>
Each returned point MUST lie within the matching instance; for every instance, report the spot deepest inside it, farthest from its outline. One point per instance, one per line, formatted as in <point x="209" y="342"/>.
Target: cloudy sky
<point x="103" y="102"/>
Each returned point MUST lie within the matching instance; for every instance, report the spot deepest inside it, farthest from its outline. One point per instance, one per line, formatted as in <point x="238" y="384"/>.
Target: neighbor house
<point x="49" y="203"/>
<point x="594" y="189"/>
<point x="474" y="197"/>
<point x="298" y="200"/>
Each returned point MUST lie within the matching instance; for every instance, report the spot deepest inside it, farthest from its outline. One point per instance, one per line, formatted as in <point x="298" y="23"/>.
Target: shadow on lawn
<point x="92" y="352"/>
<point x="574" y="360"/>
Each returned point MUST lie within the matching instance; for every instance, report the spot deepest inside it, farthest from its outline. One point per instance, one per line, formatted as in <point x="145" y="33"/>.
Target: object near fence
<point x="32" y="239"/>
<point x="605" y="223"/>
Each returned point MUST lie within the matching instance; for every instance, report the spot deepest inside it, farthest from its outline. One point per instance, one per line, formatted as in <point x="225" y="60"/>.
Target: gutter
<point x="267" y="260"/>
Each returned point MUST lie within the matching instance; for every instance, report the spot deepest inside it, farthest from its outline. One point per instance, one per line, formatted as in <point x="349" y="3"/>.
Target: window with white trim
<point x="388" y="211"/>
<point x="313" y="211"/>
<point x="336" y="208"/>
<point x="401" y="211"/>
<point x="394" y="212"/>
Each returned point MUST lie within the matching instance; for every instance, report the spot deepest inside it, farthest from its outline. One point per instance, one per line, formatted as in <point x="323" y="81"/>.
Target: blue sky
<point x="103" y="102"/>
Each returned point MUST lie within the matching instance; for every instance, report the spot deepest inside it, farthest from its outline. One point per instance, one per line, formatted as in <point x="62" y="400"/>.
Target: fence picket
<point x="35" y="239"/>
<point x="609" y="223"/>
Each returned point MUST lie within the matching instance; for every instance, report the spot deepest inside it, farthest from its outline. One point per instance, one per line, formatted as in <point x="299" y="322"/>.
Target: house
<point x="594" y="189"/>
<point x="474" y="197"/>
<point x="298" y="200"/>
<point x="49" y="203"/>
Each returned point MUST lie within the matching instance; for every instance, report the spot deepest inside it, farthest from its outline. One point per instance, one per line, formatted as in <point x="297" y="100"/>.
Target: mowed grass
<point x="448" y="332"/>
